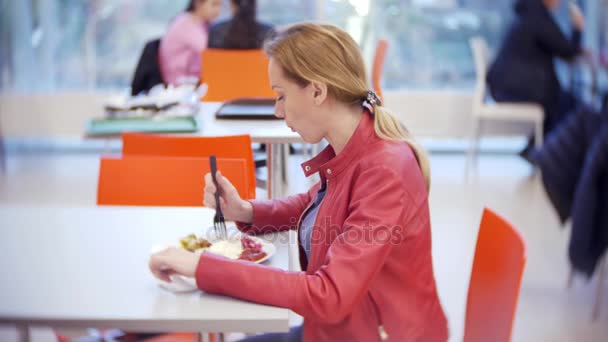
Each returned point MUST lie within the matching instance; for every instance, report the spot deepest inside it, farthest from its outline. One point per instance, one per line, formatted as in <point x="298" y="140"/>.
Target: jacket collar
<point x="330" y="165"/>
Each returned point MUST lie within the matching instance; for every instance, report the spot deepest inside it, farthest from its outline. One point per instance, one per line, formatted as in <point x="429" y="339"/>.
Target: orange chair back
<point x="233" y="74"/>
<point x="498" y="266"/>
<point x="162" y="181"/>
<point x="378" y="66"/>
<point x="236" y="146"/>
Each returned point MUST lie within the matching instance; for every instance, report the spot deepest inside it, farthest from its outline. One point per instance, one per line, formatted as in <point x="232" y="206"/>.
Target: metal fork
<point x="219" y="224"/>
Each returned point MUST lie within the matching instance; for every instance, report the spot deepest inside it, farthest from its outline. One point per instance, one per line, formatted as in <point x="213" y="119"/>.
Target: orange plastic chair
<point x="498" y="266"/>
<point x="233" y="74"/>
<point x="378" y="66"/>
<point x="162" y="181"/>
<point x="236" y="146"/>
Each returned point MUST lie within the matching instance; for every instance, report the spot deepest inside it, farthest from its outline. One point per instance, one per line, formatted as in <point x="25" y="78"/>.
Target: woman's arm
<point x="551" y="38"/>
<point x="278" y="214"/>
<point x="379" y="206"/>
<point x="255" y="216"/>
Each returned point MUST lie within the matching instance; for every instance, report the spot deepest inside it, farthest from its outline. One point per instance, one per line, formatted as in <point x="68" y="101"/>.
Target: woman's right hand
<point x="233" y="206"/>
<point x="576" y="15"/>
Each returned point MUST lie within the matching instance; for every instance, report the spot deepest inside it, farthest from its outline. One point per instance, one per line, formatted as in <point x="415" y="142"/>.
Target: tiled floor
<point x="547" y="310"/>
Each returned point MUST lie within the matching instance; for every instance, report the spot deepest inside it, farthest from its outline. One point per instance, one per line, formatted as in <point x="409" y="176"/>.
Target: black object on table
<point x="247" y="108"/>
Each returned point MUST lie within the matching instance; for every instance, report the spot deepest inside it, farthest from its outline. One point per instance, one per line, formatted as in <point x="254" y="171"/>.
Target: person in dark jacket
<point x="523" y="70"/>
<point x="574" y="168"/>
<point x="243" y="31"/>
<point x="589" y="239"/>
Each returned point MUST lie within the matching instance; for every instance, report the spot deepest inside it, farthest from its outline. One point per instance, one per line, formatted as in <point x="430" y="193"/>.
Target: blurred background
<point x="61" y="60"/>
<point x="57" y="45"/>
<point x="80" y="51"/>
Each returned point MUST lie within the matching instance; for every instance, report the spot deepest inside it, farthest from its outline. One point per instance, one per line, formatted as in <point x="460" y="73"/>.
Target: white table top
<point x="88" y="267"/>
<point x="261" y="131"/>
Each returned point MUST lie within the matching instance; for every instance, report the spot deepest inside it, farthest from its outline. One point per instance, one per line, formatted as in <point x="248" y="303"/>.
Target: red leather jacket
<point x="370" y="269"/>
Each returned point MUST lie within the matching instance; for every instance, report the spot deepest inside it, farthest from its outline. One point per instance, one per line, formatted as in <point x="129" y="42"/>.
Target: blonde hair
<point x="325" y="54"/>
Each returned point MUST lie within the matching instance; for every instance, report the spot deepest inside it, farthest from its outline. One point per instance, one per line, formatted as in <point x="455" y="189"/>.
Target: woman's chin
<point x="310" y="140"/>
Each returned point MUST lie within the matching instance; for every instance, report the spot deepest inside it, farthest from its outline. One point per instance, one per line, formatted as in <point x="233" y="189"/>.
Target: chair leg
<point x="538" y="135"/>
<point x="473" y="146"/>
<point x="24" y="333"/>
<point x="600" y="288"/>
<point x="307" y="149"/>
<point x="570" y="278"/>
<point x="2" y="153"/>
<point x="2" y="156"/>
<point x="538" y="142"/>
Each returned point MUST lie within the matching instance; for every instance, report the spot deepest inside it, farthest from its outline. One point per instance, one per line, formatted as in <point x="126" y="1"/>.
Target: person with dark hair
<point x="523" y="70"/>
<point x="181" y="47"/>
<point x="242" y="31"/>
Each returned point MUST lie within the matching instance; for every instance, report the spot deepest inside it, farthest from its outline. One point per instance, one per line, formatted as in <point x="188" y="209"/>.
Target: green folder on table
<point x="110" y="126"/>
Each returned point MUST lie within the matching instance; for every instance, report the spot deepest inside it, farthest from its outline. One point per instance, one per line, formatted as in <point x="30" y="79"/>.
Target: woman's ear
<point x="319" y="92"/>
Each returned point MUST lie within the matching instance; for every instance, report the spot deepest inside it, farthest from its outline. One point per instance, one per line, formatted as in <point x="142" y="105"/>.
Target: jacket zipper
<point x="381" y="331"/>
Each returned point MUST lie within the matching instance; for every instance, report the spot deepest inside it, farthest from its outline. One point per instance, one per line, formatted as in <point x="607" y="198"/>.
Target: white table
<point x="274" y="133"/>
<point x="88" y="267"/>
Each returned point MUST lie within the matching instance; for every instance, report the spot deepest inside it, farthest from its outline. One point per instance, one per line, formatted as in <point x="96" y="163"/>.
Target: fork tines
<point x="219" y="224"/>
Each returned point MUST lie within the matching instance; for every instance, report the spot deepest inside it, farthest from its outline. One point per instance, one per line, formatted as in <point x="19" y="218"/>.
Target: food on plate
<point x="252" y="251"/>
<point x="193" y="243"/>
<point x="230" y="248"/>
<point x="252" y="255"/>
<point x="243" y="248"/>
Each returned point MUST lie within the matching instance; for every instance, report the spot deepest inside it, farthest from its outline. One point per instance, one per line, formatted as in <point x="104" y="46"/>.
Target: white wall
<point x="433" y="113"/>
<point x="49" y="115"/>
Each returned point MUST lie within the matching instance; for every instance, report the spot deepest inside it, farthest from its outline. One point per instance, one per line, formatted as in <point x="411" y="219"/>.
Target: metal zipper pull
<point x="382" y="333"/>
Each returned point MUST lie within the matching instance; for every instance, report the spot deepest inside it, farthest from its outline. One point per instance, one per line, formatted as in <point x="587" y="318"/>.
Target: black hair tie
<point x="373" y="99"/>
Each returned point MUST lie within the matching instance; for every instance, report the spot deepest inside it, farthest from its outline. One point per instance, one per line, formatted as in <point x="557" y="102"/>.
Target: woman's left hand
<point x="172" y="261"/>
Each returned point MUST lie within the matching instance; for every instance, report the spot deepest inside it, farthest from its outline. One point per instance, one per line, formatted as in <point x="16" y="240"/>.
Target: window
<point x="51" y="45"/>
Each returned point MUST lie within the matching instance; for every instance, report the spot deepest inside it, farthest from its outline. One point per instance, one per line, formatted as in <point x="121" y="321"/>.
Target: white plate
<point x="186" y="284"/>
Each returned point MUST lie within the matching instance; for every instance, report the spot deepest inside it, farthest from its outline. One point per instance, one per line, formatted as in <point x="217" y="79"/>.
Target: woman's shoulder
<point x="394" y="160"/>
<point x="390" y="151"/>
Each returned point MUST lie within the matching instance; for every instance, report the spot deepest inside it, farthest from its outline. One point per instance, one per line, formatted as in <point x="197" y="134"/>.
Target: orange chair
<point x="233" y="74"/>
<point x="237" y="146"/>
<point x="162" y="181"/>
<point x="378" y="66"/>
<point x="498" y="266"/>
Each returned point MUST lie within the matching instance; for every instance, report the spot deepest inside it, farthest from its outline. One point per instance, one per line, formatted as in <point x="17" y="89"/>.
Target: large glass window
<point x="48" y="45"/>
<point x="429" y="39"/>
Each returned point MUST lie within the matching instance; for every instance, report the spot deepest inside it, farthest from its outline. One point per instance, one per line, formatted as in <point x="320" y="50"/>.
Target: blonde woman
<point x="364" y="229"/>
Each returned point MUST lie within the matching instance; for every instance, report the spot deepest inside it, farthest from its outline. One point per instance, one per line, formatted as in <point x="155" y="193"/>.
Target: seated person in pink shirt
<point x="181" y="47"/>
